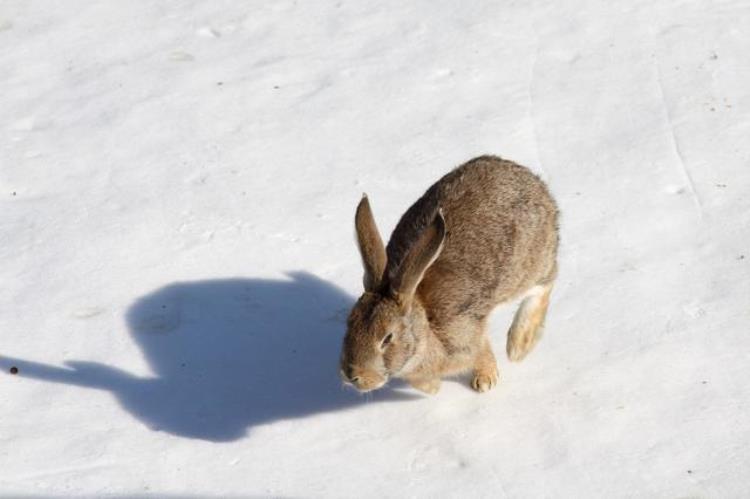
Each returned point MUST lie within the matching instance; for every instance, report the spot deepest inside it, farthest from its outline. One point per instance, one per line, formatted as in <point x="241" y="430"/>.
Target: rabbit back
<point x="501" y="240"/>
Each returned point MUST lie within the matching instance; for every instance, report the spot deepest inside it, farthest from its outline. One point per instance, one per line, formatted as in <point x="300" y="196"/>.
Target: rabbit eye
<point x="386" y="340"/>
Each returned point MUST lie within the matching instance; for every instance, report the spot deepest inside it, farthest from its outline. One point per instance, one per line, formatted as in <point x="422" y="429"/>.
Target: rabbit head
<point x="388" y="326"/>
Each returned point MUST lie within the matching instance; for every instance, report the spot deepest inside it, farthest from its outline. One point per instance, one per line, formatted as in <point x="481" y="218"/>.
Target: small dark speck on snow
<point x="690" y="472"/>
<point x="14" y="370"/>
<point x="741" y="257"/>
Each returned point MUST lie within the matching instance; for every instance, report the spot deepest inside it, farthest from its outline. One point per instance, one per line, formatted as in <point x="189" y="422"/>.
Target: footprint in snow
<point x="87" y="312"/>
<point x="693" y="310"/>
<point x="208" y="32"/>
<point x="181" y="56"/>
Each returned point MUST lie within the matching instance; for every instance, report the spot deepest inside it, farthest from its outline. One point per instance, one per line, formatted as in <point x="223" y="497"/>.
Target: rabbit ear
<point x="370" y="245"/>
<point x="423" y="252"/>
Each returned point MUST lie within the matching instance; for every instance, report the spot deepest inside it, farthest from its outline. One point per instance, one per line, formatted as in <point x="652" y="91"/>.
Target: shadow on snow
<point x="227" y="355"/>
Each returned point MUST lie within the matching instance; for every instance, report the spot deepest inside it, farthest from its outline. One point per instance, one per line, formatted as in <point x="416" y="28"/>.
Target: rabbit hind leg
<point x="528" y="322"/>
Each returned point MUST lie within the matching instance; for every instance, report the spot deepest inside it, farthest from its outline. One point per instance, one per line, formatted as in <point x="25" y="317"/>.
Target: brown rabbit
<point x="482" y="235"/>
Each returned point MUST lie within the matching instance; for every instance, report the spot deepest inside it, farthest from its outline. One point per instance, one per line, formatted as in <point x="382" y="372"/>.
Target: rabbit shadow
<point x="228" y="355"/>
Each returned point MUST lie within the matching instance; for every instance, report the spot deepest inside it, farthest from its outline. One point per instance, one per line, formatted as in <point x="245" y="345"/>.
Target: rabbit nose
<point x="348" y="374"/>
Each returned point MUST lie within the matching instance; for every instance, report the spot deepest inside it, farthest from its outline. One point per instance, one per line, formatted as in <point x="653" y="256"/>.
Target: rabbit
<point x="484" y="234"/>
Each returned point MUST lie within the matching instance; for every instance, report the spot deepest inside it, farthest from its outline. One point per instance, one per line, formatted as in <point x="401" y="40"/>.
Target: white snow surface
<point x="177" y="188"/>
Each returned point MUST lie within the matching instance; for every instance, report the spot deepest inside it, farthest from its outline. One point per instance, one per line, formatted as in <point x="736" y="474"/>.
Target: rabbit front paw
<point x="485" y="380"/>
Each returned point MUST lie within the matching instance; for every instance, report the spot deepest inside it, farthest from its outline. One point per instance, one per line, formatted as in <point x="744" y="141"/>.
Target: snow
<point x="177" y="189"/>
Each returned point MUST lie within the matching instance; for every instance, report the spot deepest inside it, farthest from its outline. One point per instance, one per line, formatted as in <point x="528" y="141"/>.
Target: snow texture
<point x="177" y="188"/>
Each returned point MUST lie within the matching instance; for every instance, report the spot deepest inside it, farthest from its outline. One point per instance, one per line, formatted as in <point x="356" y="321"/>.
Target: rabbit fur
<point x="484" y="234"/>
